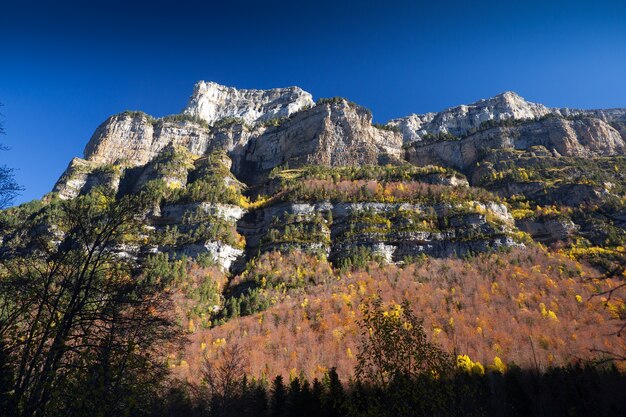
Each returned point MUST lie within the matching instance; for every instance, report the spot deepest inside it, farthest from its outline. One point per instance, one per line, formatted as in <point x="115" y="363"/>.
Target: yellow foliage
<point x="219" y="343"/>
<point x="616" y="308"/>
<point x="191" y="327"/>
<point x="552" y="315"/>
<point x="498" y="365"/>
<point x="520" y="214"/>
<point x="321" y="369"/>
<point x="338" y="334"/>
<point x="464" y="363"/>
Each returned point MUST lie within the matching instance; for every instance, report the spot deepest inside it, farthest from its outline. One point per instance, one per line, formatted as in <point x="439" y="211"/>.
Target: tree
<point x="225" y="377"/>
<point x="335" y="398"/>
<point x="83" y="330"/>
<point x="278" y="400"/>
<point x="395" y="346"/>
<point x="9" y="188"/>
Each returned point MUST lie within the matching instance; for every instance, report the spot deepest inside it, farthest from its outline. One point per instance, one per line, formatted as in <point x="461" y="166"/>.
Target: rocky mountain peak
<point x="211" y="102"/>
<point x="511" y="105"/>
<point x="459" y="120"/>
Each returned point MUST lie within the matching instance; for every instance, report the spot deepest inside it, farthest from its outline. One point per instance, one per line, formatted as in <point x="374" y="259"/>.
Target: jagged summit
<point x="509" y="103"/>
<point x="211" y="102"/>
<point x="463" y="119"/>
<point x="459" y="120"/>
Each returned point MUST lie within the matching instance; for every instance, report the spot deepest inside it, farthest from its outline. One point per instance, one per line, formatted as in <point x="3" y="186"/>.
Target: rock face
<point x="134" y="138"/>
<point x="606" y="115"/>
<point x="394" y="231"/>
<point x="262" y="129"/>
<point x="176" y="215"/>
<point x="333" y="133"/>
<point x="461" y="119"/>
<point x="548" y="230"/>
<point x="583" y="137"/>
<point x="212" y="102"/>
<point x="82" y="176"/>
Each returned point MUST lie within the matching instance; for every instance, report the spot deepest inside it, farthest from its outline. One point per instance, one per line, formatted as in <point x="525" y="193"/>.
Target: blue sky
<point x="65" y="67"/>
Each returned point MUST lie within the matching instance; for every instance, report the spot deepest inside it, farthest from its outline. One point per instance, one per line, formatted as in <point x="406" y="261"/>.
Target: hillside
<point x="274" y="216"/>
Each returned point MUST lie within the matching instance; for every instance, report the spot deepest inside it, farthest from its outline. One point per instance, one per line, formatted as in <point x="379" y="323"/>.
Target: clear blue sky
<point x="65" y="66"/>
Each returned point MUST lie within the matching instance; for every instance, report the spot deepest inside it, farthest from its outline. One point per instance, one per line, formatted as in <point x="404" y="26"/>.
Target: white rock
<point x="211" y="102"/>
<point x="461" y="119"/>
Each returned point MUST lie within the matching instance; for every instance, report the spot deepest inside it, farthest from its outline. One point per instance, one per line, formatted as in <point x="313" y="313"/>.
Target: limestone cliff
<point x="333" y="133"/>
<point x="212" y="102"/>
<point x="462" y="119"/>
<point x="134" y="138"/>
<point x="583" y="137"/>
<point x="509" y="109"/>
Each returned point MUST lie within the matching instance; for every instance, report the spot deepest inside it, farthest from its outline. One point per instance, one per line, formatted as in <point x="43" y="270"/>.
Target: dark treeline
<point x="569" y="391"/>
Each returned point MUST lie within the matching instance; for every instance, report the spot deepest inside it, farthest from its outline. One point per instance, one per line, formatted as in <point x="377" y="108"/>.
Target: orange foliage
<point x="503" y="305"/>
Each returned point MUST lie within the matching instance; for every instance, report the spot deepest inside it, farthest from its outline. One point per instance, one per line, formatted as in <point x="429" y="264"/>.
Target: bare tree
<point x="82" y="330"/>
<point x="224" y="376"/>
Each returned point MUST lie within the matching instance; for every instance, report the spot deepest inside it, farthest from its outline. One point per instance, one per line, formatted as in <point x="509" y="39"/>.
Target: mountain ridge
<point x="246" y="115"/>
<point x="278" y="164"/>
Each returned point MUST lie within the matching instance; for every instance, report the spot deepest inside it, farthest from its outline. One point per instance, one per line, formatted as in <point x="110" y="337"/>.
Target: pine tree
<point x="279" y="398"/>
<point x="294" y="399"/>
<point x="335" y="395"/>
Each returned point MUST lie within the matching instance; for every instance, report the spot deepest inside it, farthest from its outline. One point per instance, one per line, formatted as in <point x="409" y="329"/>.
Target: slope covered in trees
<point x="341" y="278"/>
<point x="298" y="315"/>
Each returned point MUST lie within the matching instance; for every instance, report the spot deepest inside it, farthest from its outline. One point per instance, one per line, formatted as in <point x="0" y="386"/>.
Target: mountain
<point x="273" y="205"/>
<point x="464" y="120"/>
<point x="211" y="102"/>
<point x="260" y="133"/>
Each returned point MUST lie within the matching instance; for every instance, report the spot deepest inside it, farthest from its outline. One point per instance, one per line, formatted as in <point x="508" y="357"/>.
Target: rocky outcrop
<point x="548" y="230"/>
<point x="584" y="137"/>
<point x="392" y="230"/>
<point x="175" y="213"/>
<point x="134" y="139"/>
<point x="464" y="118"/>
<point x="337" y="132"/>
<point x="212" y="102"/>
<point x="189" y="219"/>
<point x="224" y="255"/>
<point x="333" y="133"/>
<point x="214" y="159"/>
<point x="82" y="176"/>
<point x="606" y="115"/>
